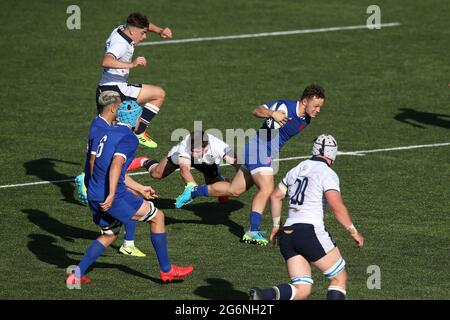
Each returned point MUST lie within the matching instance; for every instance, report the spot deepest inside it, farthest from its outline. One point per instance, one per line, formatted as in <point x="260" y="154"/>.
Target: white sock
<point x="128" y="243"/>
<point x="152" y="107"/>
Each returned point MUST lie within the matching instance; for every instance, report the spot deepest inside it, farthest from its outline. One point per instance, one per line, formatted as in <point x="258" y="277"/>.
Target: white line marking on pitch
<point x="267" y="34"/>
<point x="350" y="153"/>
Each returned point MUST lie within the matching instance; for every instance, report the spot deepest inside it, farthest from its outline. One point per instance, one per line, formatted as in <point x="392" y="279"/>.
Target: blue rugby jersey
<point x="277" y="138"/>
<point x="99" y="127"/>
<point x="119" y="140"/>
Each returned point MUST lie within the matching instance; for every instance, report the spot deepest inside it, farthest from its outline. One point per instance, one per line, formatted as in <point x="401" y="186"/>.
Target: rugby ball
<point x="270" y="122"/>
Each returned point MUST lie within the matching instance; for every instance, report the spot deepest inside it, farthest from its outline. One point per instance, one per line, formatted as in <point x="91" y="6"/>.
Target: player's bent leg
<point x="151" y="94"/>
<point x="264" y="180"/>
<point x="238" y="186"/>
<point x="95" y="249"/>
<point x="162" y="169"/>
<point x="168" y="272"/>
<point x="299" y="289"/>
<point x="333" y="267"/>
<point x="299" y="271"/>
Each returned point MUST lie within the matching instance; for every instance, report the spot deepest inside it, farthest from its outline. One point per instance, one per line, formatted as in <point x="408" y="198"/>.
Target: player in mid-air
<point x="112" y="203"/>
<point x="117" y="63"/>
<point x="198" y="150"/>
<point x="259" y="153"/>
<point x="99" y="126"/>
<point x="303" y="239"/>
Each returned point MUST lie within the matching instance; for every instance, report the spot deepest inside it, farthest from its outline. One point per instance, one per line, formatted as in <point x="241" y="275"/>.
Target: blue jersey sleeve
<point x="126" y="146"/>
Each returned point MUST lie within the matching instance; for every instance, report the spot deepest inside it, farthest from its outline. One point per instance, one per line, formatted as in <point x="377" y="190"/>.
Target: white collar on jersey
<point x="104" y="120"/>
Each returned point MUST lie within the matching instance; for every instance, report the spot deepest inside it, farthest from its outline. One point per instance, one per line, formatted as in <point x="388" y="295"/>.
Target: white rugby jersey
<point x="306" y="185"/>
<point x="214" y="152"/>
<point x="122" y="47"/>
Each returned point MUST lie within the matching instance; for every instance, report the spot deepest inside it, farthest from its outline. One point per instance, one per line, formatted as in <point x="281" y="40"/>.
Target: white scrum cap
<point x="325" y="145"/>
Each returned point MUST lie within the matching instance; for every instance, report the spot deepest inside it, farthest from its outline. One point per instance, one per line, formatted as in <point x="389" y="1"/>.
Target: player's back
<point x="99" y="127"/>
<point x="307" y="184"/>
<point x="119" y="140"/>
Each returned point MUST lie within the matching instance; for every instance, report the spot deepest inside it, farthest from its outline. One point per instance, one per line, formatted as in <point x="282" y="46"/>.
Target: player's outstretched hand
<point x="359" y="239"/>
<point x="280" y="117"/>
<point x="148" y="193"/>
<point x="166" y="33"/>
<point x="108" y="203"/>
<point x="139" y="61"/>
<point x="274" y="234"/>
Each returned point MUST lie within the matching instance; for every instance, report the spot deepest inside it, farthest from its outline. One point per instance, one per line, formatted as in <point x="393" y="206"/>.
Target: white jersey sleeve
<point x="331" y="182"/>
<point x="218" y="148"/>
<point x="181" y="152"/>
<point x="117" y="48"/>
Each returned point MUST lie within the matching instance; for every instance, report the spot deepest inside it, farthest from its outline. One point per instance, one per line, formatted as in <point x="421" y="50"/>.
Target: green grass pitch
<point x="399" y="200"/>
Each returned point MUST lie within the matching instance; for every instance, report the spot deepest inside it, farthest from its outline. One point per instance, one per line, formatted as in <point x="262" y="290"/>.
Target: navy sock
<point x="284" y="291"/>
<point x="94" y="250"/>
<point x="268" y="293"/>
<point x="335" y="295"/>
<point x="130" y="229"/>
<point x="146" y="116"/>
<point x="255" y="220"/>
<point x="148" y="163"/>
<point x="199" y="191"/>
<point x="159" y="242"/>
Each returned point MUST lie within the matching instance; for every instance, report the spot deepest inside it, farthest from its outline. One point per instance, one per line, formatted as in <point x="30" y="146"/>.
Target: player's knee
<point x="160" y="93"/>
<point x="235" y="193"/>
<point x="160" y="217"/>
<point x="302" y="287"/>
<point x="302" y="291"/>
<point x="156" y="175"/>
<point x="150" y="213"/>
<point x="340" y="279"/>
<point x="266" y="191"/>
<point x="112" y="230"/>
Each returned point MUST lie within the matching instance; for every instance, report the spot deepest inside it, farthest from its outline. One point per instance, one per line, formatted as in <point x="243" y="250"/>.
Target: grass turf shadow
<point x="209" y="214"/>
<point x="44" y="169"/>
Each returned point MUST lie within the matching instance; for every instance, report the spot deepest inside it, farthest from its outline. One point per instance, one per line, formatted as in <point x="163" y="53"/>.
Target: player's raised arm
<point x="342" y="215"/>
<point x="276" y="204"/>
<point x="163" y="32"/>
<point x="264" y="112"/>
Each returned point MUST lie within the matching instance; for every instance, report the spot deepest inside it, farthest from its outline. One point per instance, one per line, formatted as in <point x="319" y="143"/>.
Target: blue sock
<point x="159" y="242"/>
<point x="255" y="220"/>
<point x="335" y="295"/>
<point x="199" y="191"/>
<point x="95" y="249"/>
<point x="130" y="229"/>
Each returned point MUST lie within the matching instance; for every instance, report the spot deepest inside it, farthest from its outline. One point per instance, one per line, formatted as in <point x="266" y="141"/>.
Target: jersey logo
<point x="302" y="126"/>
<point x="288" y="231"/>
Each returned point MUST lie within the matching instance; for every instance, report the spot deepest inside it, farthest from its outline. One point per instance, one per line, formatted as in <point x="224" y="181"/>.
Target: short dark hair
<point x="199" y="138"/>
<point x="313" y="90"/>
<point x="137" y="20"/>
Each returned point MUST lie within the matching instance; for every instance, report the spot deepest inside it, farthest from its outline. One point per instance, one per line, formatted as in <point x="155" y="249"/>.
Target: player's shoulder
<point x="118" y="36"/>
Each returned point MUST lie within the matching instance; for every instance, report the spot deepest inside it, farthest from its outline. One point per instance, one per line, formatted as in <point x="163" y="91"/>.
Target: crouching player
<point x="304" y="239"/>
<point x="113" y="204"/>
<point x="198" y="150"/>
